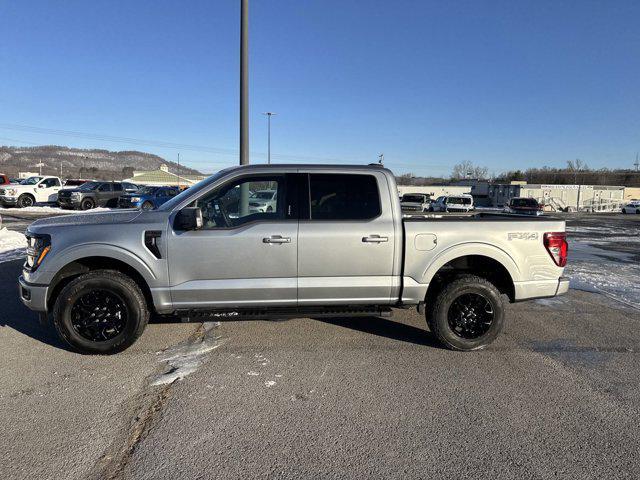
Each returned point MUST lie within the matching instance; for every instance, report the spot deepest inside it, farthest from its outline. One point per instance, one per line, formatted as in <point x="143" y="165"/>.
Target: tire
<point x="93" y="292"/>
<point x="147" y="206"/>
<point x="87" y="204"/>
<point x="444" y="315"/>
<point x="25" y="200"/>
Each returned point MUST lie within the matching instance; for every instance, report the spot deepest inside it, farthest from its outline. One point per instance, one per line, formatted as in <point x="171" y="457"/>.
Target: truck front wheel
<point x="466" y="314"/>
<point x="25" y="200"/>
<point x="87" y="204"/>
<point x="100" y="312"/>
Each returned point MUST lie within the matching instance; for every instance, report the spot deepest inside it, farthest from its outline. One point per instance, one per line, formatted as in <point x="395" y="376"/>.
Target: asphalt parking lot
<point x="556" y="395"/>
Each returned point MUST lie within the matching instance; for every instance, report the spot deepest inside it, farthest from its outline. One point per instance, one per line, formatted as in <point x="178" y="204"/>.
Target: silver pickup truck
<point x="331" y="241"/>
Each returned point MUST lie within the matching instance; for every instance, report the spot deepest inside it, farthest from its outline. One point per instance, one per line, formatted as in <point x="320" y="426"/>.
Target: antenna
<point x="381" y="159"/>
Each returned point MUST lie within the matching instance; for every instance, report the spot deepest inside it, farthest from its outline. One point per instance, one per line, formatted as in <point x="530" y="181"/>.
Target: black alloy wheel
<point x="99" y="315"/>
<point x="470" y="315"/>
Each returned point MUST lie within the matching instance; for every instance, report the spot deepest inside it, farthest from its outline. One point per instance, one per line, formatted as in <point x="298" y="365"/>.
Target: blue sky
<point x="504" y="84"/>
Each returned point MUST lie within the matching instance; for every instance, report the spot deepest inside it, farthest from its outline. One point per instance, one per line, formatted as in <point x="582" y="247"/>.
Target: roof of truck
<point x="307" y="166"/>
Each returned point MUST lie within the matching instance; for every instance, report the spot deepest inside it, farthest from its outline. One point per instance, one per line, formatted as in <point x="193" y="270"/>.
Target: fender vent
<point x="152" y="242"/>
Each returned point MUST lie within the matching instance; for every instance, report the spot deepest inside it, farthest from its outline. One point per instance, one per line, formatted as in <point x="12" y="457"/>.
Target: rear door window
<point x="344" y="197"/>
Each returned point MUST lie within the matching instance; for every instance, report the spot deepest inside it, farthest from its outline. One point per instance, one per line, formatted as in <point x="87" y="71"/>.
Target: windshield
<point x="459" y="200"/>
<point x="192" y="191"/>
<point x="89" y="186"/>
<point x="147" y="191"/>
<point x="413" y="198"/>
<point x="264" y="195"/>
<point x="524" y="202"/>
<point x="30" y="181"/>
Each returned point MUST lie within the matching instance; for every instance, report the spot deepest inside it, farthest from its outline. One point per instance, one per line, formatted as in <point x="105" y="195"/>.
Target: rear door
<point x="346" y="240"/>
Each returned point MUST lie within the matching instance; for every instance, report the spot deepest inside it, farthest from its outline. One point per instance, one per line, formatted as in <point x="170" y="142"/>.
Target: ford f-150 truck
<point x="29" y="191"/>
<point x="335" y="244"/>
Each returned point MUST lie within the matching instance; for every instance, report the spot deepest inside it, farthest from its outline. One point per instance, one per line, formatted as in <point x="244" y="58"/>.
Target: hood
<point x="97" y="218"/>
<point x="72" y="190"/>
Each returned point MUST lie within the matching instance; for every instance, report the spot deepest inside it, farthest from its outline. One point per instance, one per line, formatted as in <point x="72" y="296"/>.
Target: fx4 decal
<point x="522" y="235"/>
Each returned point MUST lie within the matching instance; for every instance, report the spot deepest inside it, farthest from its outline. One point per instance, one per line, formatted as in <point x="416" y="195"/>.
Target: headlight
<point x="9" y="191"/>
<point x="38" y="248"/>
<point x="75" y="194"/>
<point x="135" y="199"/>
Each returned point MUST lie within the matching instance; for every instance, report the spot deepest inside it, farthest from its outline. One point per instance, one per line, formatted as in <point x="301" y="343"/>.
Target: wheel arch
<point x="483" y="260"/>
<point x="84" y="264"/>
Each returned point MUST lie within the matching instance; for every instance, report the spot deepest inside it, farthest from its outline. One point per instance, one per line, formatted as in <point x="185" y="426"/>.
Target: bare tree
<point x="467" y="169"/>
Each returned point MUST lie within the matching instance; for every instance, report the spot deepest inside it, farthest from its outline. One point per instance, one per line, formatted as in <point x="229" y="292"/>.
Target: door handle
<point x="375" y="239"/>
<point x="276" y="239"/>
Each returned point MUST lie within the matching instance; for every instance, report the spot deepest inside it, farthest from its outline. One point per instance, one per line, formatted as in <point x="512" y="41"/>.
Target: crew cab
<point x="94" y="194"/>
<point x="335" y="244"/>
<point x="29" y="191"/>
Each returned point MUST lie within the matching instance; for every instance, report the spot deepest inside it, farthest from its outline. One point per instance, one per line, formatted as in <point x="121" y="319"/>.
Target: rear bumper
<point x="540" y="288"/>
<point x="32" y="295"/>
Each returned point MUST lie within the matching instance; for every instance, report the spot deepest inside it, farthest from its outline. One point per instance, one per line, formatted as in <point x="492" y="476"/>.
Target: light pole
<point x="269" y="115"/>
<point x="244" y="101"/>
<point x="244" y="82"/>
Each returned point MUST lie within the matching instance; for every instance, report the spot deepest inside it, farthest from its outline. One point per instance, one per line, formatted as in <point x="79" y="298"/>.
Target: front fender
<point x="70" y="254"/>
<point x="468" y="249"/>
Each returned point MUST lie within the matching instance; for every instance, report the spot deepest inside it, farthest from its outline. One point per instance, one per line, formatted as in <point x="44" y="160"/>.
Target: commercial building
<point x="163" y="177"/>
<point x="560" y="197"/>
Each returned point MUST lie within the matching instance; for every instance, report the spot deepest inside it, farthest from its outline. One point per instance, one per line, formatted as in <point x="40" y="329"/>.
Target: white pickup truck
<point x="334" y="243"/>
<point x="31" y="190"/>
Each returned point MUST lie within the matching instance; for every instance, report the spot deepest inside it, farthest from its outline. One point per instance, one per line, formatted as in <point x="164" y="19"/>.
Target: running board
<point x="279" y="313"/>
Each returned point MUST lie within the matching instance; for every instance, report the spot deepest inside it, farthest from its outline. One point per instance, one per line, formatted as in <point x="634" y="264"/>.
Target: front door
<point x="48" y="190"/>
<point x="347" y="243"/>
<point x="246" y="253"/>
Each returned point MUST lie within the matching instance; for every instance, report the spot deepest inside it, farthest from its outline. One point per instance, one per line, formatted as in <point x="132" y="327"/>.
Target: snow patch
<point x="269" y="383"/>
<point x="612" y="273"/>
<point x="185" y="358"/>
<point x="13" y="245"/>
<point x="52" y="210"/>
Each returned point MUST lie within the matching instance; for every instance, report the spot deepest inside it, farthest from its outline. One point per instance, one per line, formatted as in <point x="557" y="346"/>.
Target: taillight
<point x="557" y="246"/>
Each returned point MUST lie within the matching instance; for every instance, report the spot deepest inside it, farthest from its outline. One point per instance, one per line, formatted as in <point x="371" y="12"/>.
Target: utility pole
<point x="269" y="115"/>
<point x="637" y="164"/>
<point x="178" y="170"/>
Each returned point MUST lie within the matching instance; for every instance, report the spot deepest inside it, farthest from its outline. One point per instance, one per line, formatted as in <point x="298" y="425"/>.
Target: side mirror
<point x="189" y="218"/>
<point x="41" y="185"/>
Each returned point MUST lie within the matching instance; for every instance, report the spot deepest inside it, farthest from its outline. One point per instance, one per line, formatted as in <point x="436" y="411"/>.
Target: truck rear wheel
<point x="467" y="314"/>
<point x="101" y="312"/>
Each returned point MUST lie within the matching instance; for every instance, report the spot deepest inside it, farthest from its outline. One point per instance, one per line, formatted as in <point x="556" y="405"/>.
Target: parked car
<point x="415" y="202"/>
<point x="632" y="207"/>
<point x="147" y="198"/>
<point x="263" y="201"/>
<point x="524" y="206"/>
<point x="41" y="189"/>
<point x="453" y="203"/>
<point x="335" y="244"/>
<point x="4" y="180"/>
<point x="94" y="194"/>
